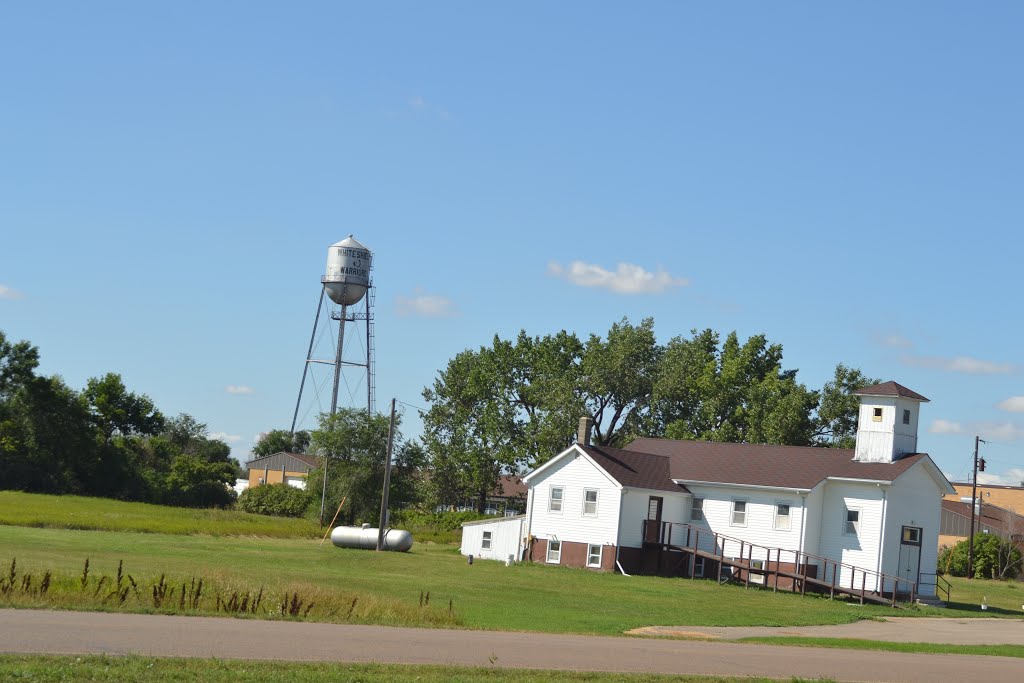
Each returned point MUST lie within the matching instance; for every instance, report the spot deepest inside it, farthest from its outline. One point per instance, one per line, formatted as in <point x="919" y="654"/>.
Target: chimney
<point x="583" y="435"/>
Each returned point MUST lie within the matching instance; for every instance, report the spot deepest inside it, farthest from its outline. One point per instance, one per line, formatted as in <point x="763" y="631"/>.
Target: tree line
<point x="510" y="406"/>
<point x="499" y="409"/>
<point x="102" y="441"/>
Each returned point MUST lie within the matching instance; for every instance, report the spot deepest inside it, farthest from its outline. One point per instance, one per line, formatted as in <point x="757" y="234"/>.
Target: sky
<point x="844" y="178"/>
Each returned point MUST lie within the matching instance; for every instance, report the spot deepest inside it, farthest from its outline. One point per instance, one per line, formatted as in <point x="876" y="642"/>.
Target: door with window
<point x="652" y="533"/>
<point x="910" y="555"/>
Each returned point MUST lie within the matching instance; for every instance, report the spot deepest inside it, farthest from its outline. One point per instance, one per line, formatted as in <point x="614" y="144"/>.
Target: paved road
<point x="894" y="629"/>
<point x="58" y="632"/>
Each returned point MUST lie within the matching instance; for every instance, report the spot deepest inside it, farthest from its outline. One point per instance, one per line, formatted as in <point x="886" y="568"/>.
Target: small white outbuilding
<point x="494" y="539"/>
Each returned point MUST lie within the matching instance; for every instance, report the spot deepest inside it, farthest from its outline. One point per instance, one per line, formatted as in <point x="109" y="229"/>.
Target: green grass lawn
<point x="152" y="670"/>
<point x="486" y="595"/>
<point x="238" y="553"/>
<point x="859" y="644"/>
<point x="77" y="512"/>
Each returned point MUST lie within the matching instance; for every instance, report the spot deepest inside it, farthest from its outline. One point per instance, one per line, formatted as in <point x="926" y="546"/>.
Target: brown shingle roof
<point x="795" y="467"/>
<point x="635" y="470"/>
<point x="510" y="486"/>
<point x="889" y="389"/>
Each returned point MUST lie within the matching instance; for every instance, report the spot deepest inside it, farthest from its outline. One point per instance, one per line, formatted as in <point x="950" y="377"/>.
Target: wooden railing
<point x="834" y="576"/>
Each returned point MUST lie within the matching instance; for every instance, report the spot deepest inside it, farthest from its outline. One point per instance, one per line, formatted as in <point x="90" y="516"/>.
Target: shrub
<point x="994" y="558"/>
<point x="280" y="500"/>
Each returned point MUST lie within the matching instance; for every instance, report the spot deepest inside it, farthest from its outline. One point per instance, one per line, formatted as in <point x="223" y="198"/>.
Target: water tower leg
<point x="337" y="359"/>
<point x="309" y="355"/>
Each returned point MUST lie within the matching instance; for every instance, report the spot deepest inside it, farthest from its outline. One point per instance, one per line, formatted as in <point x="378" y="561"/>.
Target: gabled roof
<point x="791" y="467"/>
<point x="890" y="389"/>
<point x="295" y="462"/>
<point x="635" y="470"/>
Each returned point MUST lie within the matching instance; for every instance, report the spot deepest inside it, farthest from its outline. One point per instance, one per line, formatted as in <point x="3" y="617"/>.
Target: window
<point x="594" y="555"/>
<point x="876" y="415"/>
<point x="697" y="510"/>
<point x="852" y="522"/>
<point x="590" y="502"/>
<point x="756" y="578"/>
<point x="698" y="567"/>
<point x="739" y="513"/>
<point x="555" y="499"/>
<point x="554" y="551"/>
<point x="486" y="544"/>
<point x="782" y="516"/>
<point x="906" y="417"/>
<point x="911" y="535"/>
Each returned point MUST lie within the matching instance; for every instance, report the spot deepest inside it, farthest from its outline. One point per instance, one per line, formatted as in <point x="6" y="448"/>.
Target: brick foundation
<point x="573" y="554"/>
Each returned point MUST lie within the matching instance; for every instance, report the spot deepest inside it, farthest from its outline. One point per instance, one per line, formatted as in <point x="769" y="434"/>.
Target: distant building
<point x="281" y="468"/>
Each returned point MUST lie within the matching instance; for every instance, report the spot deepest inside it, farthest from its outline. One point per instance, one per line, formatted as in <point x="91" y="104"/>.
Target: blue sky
<point x="846" y="179"/>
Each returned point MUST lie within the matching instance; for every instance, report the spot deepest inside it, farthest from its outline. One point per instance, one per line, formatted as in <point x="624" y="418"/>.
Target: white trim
<point x="703" y="517"/>
<point x="597" y="498"/>
<point x="846" y="520"/>
<point x="561" y="498"/>
<point x="600" y="555"/>
<point x="496" y="520"/>
<point x="547" y="552"/>
<point x="485" y="540"/>
<point x="725" y="484"/>
<point x="732" y="512"/>
<point x="575" y="448"/>
<point x="855" y="480"/>
<point x="789" y="516"/>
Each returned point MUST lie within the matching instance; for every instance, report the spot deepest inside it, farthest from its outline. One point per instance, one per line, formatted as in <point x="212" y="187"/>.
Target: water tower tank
<point x="348" y="271"/>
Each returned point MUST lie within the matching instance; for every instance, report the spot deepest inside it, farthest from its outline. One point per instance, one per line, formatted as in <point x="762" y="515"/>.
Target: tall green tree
<point x="354" y="446"/>
<point x="281" y="440"/>
<point x="515" y="403"/>
<point x="733" y="392"/>
<point x="836" y="422"/>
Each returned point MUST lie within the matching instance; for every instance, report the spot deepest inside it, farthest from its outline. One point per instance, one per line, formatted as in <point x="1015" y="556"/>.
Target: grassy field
<point x="150" y="670"/>
<point x="486" y="595"/>
<point x="76" y="512"/>
<point x="859" y="644"/>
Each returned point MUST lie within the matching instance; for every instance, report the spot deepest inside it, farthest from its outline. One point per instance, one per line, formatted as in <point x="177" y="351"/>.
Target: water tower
<point x="345" y="283"/>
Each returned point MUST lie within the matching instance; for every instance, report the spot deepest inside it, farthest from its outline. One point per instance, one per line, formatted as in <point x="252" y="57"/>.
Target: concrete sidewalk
<point x="893" y="629"/>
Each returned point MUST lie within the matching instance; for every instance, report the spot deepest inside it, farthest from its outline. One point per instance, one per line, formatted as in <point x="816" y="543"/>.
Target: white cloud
<point x="896" y="341"/>
<point x="1014" y="404"/>
<point x="9" y="294"/>
<point x="1011" y="477"/>
<point x="998" y="431"/>
<point x="425" y="305"/>
<point x="225" y="437"/>
<point x="239" y="390"/>
<point x="945" y="427"/>
<point x="965" y="364"/>
<point x="627" y="278"/>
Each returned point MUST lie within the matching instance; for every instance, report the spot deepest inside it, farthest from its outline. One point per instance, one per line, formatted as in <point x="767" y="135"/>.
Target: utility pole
<point x="974" y="502"/>
<point x="387" y="482"/>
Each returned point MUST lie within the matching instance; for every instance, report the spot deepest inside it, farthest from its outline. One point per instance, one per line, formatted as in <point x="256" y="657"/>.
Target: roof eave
<point x="722" y="484"/>
<point x="860" y="480"/>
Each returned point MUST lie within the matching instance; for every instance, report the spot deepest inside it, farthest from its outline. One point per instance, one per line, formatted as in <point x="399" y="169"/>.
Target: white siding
<point x="913" y="500"/>
<point x="506" y="538"/>
<point x="573" y="474"/>
<point x="675" y="508"/>
<point x="888" y="438"/>
<point x="760" y="519"/>
<point x="812" y="519"/>
<point x="860" y="550"/>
